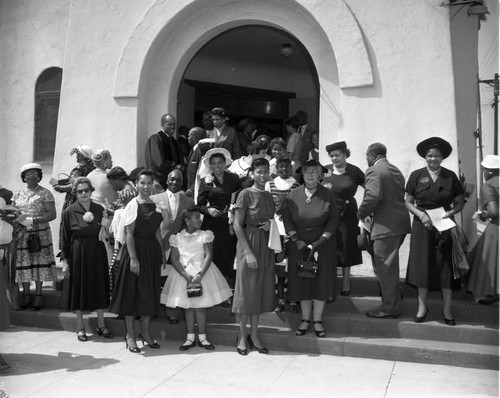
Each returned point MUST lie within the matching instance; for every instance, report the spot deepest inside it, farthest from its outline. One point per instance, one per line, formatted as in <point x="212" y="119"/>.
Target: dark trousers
<point x="385" y="261"/>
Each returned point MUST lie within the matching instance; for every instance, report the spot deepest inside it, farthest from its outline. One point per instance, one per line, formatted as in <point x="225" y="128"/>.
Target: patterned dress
<point x="34" y="266"/>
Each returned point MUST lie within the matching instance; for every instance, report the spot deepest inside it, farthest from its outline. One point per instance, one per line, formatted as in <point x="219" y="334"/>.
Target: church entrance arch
<point x="158" y="53"/>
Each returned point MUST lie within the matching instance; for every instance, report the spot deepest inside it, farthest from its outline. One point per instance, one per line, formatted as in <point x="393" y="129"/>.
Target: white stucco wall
<point x="385" y="70"/>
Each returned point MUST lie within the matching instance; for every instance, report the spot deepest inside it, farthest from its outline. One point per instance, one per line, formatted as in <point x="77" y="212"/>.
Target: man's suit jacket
<point x="170" y="225"/>
<point x="193" y="161"/>
<point x="384" y="198"/>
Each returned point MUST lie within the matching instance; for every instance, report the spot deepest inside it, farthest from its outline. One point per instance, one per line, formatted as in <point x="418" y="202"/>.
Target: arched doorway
<point x="251" y="71"/>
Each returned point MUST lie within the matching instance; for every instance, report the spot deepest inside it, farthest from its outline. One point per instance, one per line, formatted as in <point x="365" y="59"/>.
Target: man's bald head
<point x="196" y="134"/>
<point x="174" y="181"/>
<point x="168" y="123"/>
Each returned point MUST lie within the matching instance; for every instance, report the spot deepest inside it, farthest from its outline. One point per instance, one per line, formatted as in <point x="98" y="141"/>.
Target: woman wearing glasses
<point x="310" y="218"/>
<point x="84" y="258"/>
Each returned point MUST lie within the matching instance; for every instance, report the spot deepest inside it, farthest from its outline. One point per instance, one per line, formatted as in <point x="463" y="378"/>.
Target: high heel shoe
<point x="104" y="332"/>
<point x="26" y="302"/>
<point x="81" y="335"/>
<point x="154" y="344"/>
<point x="449" y="321"/>
<point x="239" y="350"/>
<point x="135" y="350"/>
<point x="319" y="333"/>
<point x="420" y="319"/>
<point x="301" y="332"/>
<point x="37" y="306"/>
<point x="261" y="350"/>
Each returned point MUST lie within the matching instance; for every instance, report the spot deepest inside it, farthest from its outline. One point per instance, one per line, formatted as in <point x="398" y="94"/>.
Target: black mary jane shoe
<point x="345" y="292"/>
<point x="81" y="335"/>
<point x="206" y="345"/>
<point x="243" y="352"/>
<point x="185" y="346"/>
<point x="104" y="332"/>
<point x="261" y="350"/>
<point x="301" y="332"/>
<point x="420" y="319"/>
<point x="135" y="350"/>
<point x="319" y="333"/>
<point x="280" y="308"/>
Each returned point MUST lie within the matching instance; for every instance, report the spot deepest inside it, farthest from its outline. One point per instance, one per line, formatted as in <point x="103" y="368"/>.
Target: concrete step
<point x="465" y="309"/>
<point x="356" y="336"/>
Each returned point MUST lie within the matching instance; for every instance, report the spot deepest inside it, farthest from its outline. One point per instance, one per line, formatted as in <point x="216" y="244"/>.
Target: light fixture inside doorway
<point x="286" y="49"/>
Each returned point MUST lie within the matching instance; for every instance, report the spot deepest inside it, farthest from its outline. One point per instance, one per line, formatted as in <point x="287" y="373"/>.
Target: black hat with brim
<point x="311" y="163"/>
<point x="434" y="142"/>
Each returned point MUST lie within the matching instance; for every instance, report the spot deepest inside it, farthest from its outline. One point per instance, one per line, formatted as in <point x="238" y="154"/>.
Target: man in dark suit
<point x="384" y="201"/>
<point x="172" y="202"/>
<point x="247" y="132"/>
<point x="162" y="150"/>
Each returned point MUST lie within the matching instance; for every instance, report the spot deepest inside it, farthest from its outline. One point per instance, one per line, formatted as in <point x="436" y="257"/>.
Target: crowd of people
<point x="227" y="216"/>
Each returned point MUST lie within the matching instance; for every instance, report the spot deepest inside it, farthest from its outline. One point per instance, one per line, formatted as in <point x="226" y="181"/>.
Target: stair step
<point x="350" y="335"/>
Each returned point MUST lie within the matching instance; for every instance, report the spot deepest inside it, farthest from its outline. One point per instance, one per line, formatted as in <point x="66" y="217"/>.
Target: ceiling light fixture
<point x="286" y="49"/>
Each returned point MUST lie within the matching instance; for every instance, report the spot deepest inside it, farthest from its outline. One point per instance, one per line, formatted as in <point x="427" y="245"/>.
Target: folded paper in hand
<point x="440" y="223"/>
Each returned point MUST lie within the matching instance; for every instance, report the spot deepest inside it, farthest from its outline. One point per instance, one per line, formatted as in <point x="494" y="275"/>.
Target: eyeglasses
<point x="32" y="173"/>
<point x="312" y="171"/>
<point x="82" y="191"/>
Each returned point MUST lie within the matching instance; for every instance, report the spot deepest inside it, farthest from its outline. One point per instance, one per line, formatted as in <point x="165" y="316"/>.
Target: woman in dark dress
<point x="310" y="218"/>
<point x="483" y="258"/>
<point x="137" y="289"/>
<point x="84" y="258"/>
<point x="214" y="199"/>
<point x="254" y="290"/>
<point x="430" y="260"/>
<point x="344" y="179"/>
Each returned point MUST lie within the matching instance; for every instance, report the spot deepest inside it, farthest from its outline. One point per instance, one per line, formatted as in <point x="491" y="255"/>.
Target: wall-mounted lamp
<point x="286" y="49"/>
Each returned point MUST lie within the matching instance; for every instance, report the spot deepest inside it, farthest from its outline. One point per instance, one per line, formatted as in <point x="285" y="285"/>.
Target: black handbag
<point x="194" y="289"/>
<point x="307" y="269"/>
<point x="34" y="244"/>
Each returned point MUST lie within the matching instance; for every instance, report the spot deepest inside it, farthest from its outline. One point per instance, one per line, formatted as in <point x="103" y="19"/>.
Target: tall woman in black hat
<point x="344" y="179"/>
<point x="430" y="260"/>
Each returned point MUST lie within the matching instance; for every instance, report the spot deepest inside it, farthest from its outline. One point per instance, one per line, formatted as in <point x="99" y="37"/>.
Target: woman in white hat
<point x="214" y="199"/>
<point x="35" y="256"/>
<point x="483" y="258"/>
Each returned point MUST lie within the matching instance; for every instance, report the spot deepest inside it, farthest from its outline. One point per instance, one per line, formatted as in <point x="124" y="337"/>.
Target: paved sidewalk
<point x="48" y="363"/>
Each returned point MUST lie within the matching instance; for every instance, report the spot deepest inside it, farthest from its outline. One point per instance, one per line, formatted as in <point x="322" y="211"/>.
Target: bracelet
<point x="324" y="237"/>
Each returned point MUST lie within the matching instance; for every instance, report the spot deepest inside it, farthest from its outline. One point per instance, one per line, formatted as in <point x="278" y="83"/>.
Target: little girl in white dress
<point x="191" y="256"/>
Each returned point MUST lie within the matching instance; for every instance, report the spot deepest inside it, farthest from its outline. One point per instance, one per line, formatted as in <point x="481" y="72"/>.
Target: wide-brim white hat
<point x="30" y="166"/>
<point x="224" y="152"/>
<point x="491" y="162"/>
